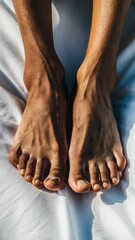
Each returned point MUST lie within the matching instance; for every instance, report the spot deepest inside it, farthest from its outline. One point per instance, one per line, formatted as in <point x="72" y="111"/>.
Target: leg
<point x="95" y="142"/>
<point x="40" y="141"/>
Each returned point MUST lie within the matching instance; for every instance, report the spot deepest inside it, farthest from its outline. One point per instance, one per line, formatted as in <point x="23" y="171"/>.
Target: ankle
<point x="97" y="73"/>
<point x="38" y="70"/>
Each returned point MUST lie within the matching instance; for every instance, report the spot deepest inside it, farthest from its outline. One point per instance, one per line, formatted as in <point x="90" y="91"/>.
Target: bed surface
<point x="27" y="213"/>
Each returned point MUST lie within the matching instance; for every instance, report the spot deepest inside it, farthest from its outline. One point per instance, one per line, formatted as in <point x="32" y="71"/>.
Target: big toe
<point x="57" y="178"/>
<point x="77" y="179"/>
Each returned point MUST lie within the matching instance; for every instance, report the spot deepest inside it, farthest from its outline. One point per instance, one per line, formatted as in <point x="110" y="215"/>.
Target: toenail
<point x="115" y="180"/>
<point x="105" y="185"/>
<point x="81" y="183"/>
<point x="120" y="174"/>
<point x="22" y="172"/>
<point x="55" y="180"/>
<point x="29" y="178"/>
<point x="97" y="187"/>
<point x="38" y="182"/>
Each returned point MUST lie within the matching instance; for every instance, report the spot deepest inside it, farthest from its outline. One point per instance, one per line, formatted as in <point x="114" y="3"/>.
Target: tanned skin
<point x="95" y="142"/>
<point x="40" y="143"/>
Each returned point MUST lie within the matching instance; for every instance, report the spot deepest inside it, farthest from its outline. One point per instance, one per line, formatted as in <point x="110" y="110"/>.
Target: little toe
<point x="114" y="175"/>
<point x="104" y="176"/>
<point x="22" y="163"/>
<point x="120" y="159"/>
<point x="94" y="176"/>
<point x="30" y="169"/>
<point x="14" y="156"/>
<point x="39" y="173"/>
<point x="56" y="179"/>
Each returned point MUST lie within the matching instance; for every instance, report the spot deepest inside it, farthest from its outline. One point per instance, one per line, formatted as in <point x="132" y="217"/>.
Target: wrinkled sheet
<point x="27" y="213"/>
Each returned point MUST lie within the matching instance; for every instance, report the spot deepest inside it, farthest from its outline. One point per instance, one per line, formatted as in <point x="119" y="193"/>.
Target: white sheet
<point x="27" y="213"/>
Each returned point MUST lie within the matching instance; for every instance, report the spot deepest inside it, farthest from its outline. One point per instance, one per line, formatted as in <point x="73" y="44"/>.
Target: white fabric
<point x="27" y="213"/>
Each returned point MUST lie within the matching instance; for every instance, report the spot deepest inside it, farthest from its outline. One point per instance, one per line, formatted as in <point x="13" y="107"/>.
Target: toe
<point x="57" y="177"/>
<point x="94" y="176"/>
<point x="77" y="180"/>
<point x="39" y="173"/>
<point x="22" y="163"/>
<point x="30" y="169"/>
<point x="114" y="175"/>
<point x="14" y="156"/>
<point x="120" y="159"/>
<point x="104" y="176"/>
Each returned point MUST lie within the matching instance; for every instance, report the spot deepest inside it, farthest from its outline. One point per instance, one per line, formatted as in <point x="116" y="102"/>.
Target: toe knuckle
<point x="39" y="163"/>
<point x="29" y="164"/>
<point x="121" y="167"/>
<point x="28" y="170"/>
<point x="78" y="174"/>
<point x="94" y="181"/>
<point x="123" y="161"/>
<point x="104" y="174"/>
<point x="56" y="171"/>
<point x="36" y="177"/>
<point x="112" y="164"/>
<point x="93" y="176"/>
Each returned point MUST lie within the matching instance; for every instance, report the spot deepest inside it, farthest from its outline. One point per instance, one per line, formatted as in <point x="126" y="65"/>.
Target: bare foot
<point x="95" y="143"/>
<point x="40" y="141"/>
